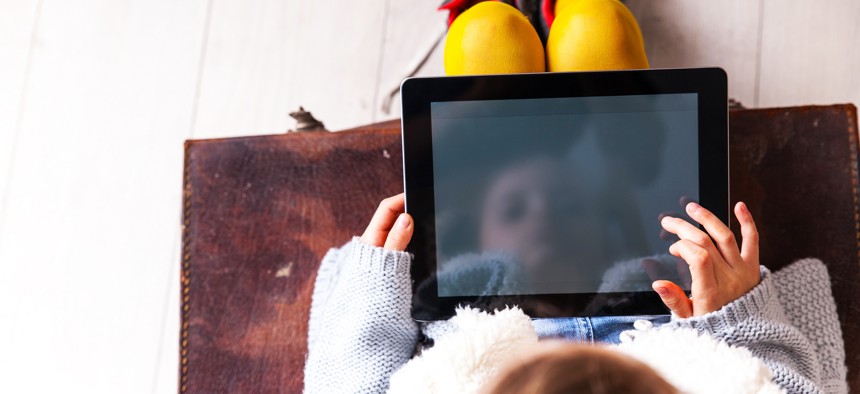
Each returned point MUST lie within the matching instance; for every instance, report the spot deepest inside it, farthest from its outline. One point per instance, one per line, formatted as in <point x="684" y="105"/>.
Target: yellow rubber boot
<point x="591" y="35"/>
<point x="493" y="38"/>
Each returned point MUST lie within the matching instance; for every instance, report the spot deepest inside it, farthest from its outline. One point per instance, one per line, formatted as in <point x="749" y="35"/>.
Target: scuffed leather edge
<point x="851" y="112"/>
<point x="184" y="275"/>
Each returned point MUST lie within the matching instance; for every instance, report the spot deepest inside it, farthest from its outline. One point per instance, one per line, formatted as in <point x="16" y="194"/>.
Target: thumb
<point x="400" y="234"/>
<point x="674" y="298"/>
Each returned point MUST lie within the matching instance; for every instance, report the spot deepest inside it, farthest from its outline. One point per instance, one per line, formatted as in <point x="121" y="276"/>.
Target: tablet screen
<point x="564" y="190"/>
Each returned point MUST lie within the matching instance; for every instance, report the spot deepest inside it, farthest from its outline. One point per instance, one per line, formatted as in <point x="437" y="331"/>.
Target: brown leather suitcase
<point x="260" y="212"/>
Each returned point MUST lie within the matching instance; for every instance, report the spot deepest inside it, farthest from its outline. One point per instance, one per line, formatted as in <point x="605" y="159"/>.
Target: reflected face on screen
<point x="558" y="194"/>
<point x="534" y="210"/>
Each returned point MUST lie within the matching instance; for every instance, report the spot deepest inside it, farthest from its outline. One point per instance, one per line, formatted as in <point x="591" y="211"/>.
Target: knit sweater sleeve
<point x="805" y="356"/>
<point x="360" y="329"/>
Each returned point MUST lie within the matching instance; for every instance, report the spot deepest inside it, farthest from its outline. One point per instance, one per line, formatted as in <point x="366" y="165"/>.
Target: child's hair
<point x="577" y="368"/>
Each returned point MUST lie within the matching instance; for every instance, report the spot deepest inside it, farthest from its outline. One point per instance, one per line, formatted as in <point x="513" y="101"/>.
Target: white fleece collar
<point x="466" y="358"/>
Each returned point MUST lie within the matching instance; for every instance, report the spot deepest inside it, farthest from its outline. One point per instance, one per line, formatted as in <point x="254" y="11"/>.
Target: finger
<point x="382" y="221"/>
<point x="749" y="233"/>
<point x="670" y="213"/>
<point x="698" y="259"/>
<point x="674" y="298"/>
<point x="686" y="278"/>
<point x="719" y="232"/>
<point x="684" y="230"/>
<point x="665" y="235"/>
<point x="400" y="233"/>
<point x="654" y="269"/>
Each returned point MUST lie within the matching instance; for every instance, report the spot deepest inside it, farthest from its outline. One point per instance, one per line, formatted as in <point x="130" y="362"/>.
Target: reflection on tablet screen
<point x="559" y="195"/>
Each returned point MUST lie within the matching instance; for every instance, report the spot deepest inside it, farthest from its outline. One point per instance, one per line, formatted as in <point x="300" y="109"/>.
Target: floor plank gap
<point x="758" y="53"/>
<point x="200" y="68"/>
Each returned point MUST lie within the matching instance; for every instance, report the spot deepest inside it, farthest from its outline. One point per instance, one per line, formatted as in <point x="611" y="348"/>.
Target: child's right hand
<point x="721" y="272"/>
<point x="391" y="227"/>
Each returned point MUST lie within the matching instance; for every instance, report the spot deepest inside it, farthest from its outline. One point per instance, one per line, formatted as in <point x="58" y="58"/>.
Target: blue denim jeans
<point x="605" y="329"/>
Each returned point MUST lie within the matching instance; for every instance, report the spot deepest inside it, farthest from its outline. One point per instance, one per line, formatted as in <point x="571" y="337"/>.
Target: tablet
<point x="545" y="190"/>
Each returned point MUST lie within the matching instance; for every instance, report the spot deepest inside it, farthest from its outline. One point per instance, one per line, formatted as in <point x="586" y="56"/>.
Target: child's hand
<point x="390" y="228"/>
<point x="721" y="273"/>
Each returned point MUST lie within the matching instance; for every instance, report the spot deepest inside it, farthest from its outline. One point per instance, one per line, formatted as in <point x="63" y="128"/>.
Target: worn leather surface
<point x="797" y="169"/>
<point x="260" y="212"/>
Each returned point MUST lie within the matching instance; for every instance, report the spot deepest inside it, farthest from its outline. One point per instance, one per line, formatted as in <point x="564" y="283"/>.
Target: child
<point x="361" y="331"/>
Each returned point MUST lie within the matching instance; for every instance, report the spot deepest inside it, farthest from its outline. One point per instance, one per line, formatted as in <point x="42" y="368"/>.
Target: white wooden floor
<point x="97" y="96"/>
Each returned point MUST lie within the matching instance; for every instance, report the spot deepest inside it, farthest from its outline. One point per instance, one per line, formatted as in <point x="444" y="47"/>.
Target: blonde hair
<point x="578" y="368"/>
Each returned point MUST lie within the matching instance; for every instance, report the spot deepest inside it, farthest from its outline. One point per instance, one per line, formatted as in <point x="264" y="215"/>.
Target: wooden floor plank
<point x="17" y="21"/>
<point x="166" y="374"/>
<point x="264" y="58"/>
<point x="413" y="27"/>
<point x="810" y="53"/>
<point x="88" y="237"/>
<point x="683" y="33"/>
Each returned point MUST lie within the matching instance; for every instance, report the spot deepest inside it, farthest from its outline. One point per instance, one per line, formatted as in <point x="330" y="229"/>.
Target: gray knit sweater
<point x="361" y="331"/>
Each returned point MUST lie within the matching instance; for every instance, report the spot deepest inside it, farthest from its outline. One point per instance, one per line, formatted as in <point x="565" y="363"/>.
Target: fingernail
<point x="664" y="220"/>
<point x="402" y="221"/>
<point x="693" y="207"/>
<point x="661" y="291"/>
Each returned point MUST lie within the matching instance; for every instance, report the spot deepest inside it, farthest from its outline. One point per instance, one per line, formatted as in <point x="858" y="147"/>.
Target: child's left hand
<point x="391" y="227"/>
<point x="720" y="271"/>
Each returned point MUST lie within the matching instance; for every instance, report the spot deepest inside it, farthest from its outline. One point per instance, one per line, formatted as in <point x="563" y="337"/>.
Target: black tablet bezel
<point x="417" y="93"/>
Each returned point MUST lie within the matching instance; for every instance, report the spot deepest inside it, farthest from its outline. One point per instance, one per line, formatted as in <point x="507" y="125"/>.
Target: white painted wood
<point x="264" y="58"/>
<point x="685" y="33"/>
<point x="17" y="20"/>
<point x="89" y="237"/>
<point x="166" y="372"/>
<point x="412" y="29"/>
<point x="810" y="52"/>
<point x="249" y="67"/>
